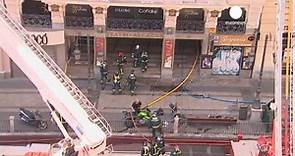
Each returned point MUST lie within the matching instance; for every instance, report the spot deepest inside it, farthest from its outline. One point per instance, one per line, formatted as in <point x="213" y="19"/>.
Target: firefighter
<point x="116" y="83"/>
<point x="121" y="60"/>
<point x="156" y="150"/>
<point x="131" y="82"/>
<point x="161" y="144"/>
<point x="136" y="105"/>
<point x="146" y="150"/>
<point x="144" y="59"/>
<point x="176" y="151"/>
<point x="136" y="55"/>
<point x="103" y="72"/>
<point x="156" y="124"/>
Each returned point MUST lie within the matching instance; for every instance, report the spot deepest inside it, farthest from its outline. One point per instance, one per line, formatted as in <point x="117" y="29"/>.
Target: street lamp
<point x="235" y="12"/>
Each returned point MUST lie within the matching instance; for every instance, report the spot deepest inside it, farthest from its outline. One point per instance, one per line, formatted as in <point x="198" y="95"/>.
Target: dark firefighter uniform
<point x="144" y="59"/>
<point x="136" y="105"/>
<point x="161" y="144"/>
<point x="146" y="151"/>
<point x="116" y="83"/>
<point x="156" y="150"/>
<point x="156" y="124"/>
<point x="120" y="62"/>
<point x="176" y="152"/>
<point x="136" y="56"/>
<point x="103" y="72"/>
<point x="131" y="82"/>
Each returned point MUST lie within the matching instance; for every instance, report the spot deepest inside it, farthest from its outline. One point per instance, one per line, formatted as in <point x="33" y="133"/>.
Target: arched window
<point x="226" y="24"/>
<point x="36" y="14"/>
<point x="79" y="16"/>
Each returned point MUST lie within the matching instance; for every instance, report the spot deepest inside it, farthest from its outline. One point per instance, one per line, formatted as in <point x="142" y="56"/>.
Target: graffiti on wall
<point x="227" y="60"/>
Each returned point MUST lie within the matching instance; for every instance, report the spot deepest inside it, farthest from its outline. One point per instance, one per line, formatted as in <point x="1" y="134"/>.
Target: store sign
<point x="135" y="34"/>
<point x="48" y="38"/>
<point x="168" y="49"/>
<point x="233" y="40"/>
<point x="135" y="12"/>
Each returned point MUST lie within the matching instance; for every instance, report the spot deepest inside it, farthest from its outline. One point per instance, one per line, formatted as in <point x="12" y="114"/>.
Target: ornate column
<point x="210" y="26"/>
<point x="57" y="13"/>
<point x="5" y="69"/>
<point x="168" y="44"/>
<point x="100" y="29"/>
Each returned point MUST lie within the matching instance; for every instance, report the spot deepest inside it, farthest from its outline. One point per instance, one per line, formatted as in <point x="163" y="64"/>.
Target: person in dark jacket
<point x="131" y="82"/>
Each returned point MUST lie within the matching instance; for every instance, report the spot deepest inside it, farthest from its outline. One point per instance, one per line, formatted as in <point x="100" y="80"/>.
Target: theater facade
<point x="225" y="46"/>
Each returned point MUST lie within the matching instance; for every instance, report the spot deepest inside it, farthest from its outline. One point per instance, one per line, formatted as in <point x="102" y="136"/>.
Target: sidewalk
<point x="21" y="92"/>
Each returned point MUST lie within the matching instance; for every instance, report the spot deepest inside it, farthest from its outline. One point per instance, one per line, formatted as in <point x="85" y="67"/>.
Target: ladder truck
<point x="60" y="94"/>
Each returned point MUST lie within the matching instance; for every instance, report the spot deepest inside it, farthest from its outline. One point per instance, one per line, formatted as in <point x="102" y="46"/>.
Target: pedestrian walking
<point x="131" y="82"/>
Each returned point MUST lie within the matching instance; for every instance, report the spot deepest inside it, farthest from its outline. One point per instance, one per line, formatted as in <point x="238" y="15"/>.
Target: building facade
<point x="226" y="46"/>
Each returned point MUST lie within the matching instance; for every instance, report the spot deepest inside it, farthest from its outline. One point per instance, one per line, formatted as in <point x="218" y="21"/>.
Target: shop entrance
<point x="185" y="54"/>
<point x="127" y="45"/>
<point x="80" y="54"/>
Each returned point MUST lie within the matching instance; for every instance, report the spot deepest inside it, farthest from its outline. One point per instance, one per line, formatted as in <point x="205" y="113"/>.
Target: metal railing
<point x="231" y="27"/>
<point x="79" y="22"/>
<point x="185" y="128"/>
<point x="31" y="20"/>
<point x="94" y="115"/>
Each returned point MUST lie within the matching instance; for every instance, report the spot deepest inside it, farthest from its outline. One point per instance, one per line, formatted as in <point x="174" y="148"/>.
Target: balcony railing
<point x="79" y="22"/>
<point x="135" y="24"/>
<point x="231" y="27"/>
<point x="40" y="21"/>
<point x="190" y="26"/>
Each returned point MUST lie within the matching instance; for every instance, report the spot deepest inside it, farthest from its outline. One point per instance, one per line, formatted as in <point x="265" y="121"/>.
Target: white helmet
<point x="137" y="46"/>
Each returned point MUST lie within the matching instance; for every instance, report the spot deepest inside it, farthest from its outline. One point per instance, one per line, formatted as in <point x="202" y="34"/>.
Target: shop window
<point x="190" y="20"/>
<point x="228" y="25"/>
<point x="79" y="16"/>
<point x="35" y="14"/>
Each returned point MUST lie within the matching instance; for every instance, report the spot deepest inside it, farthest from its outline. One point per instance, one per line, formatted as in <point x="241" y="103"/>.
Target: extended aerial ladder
<point x="55" y="88"/>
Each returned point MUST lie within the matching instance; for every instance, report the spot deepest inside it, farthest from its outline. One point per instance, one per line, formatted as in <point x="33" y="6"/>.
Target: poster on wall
<point x="206" y="62"/>
<point x="168" y="47"/>
<point x="247" y="63"/>
<point x="227" y="60"/>
<point x="99" y="44"/>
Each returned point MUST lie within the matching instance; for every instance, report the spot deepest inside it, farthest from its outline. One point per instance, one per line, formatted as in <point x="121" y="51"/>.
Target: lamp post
<point x="259" y="86"/>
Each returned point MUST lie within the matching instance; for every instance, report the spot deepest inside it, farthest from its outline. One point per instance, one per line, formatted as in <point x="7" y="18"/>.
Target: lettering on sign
<point x="233" y="40"/>
<point x="149" y="11"/>
<point x="40" y="39"/>
<point x="134" y="34"/>
<point x="122" y="10"/>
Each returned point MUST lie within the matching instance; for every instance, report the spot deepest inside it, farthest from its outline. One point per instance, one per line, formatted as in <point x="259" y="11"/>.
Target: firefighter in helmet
<point x="144" y="59"/>
<point x="156" y="124"/>
<point x="146" y="150"/>
<point x="136" y="55"/>
<point x="116" y="83"/>
<point x="176" y="151"/>
<point x="131" y="82"/>
<point x="120" y="61"/>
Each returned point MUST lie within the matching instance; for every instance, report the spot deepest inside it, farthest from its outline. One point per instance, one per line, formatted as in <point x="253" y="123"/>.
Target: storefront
<point x="231" y="55"/>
